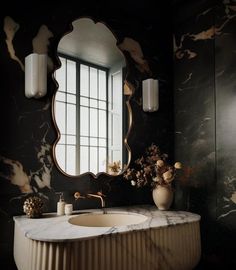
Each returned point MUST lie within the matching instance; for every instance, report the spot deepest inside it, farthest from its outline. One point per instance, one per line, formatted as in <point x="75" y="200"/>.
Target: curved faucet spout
<point x="97" y="196"/>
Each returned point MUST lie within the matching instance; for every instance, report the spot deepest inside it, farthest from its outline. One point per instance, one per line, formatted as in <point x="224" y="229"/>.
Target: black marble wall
<point x="205" y="100"/>
<point x="27" y="129"/>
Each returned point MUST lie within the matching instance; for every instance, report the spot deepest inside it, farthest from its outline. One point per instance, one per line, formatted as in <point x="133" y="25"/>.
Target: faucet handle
<point x="77" y="195"/>
<point x="99" y="193"/>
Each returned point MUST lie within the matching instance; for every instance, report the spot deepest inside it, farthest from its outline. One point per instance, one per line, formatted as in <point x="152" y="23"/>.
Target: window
<point x="82" y="114"/>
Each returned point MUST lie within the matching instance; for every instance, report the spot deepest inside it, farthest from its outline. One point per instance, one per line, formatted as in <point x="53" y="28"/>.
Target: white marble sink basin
<point x="107" y="219"/>
<point x="135" y="237"/>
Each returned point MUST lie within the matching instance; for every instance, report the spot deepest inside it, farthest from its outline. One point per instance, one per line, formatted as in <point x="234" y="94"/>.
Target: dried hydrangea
<point x="152" y="169"/>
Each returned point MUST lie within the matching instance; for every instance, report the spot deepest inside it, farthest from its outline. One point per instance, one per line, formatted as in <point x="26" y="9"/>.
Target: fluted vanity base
<point x="175" y="247"/>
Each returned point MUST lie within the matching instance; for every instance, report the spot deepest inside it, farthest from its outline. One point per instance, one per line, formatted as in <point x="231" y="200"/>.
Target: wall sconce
<point x="150" y="95"/>
<point x="35" y="75"/>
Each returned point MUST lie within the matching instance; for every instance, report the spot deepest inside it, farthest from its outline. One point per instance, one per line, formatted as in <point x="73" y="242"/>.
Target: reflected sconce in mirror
<point x="150" y="95"/>
<point x="35" y="75"/>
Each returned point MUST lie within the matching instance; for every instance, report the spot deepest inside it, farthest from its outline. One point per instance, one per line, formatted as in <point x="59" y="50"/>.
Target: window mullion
<point x="98" y="120"/>
<point x="89" y="118"/>
<point x="66" y="114"/>
<point x="107" y="125"/>
<point x="78" y="135"/>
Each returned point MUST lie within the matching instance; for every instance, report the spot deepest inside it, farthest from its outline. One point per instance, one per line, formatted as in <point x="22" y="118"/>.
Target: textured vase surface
<point x="162" y="197"/>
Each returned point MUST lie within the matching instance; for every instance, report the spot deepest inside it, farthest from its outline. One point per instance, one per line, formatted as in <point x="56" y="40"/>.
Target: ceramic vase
<point x="162" y="197"/>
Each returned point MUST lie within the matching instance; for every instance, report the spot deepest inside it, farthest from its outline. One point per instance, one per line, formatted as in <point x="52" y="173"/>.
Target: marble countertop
<point x="53" y="228"/>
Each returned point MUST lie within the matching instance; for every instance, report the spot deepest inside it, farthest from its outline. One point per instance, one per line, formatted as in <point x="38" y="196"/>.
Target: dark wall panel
<point x="205" y="129"/>
<point x="225" y="66"/>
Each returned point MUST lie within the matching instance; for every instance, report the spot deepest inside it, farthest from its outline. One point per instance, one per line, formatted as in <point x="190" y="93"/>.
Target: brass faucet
<point x="98" y="195"/>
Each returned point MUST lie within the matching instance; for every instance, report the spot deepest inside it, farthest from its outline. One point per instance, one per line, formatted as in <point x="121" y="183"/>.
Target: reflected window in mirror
<point x="90" y="109"/>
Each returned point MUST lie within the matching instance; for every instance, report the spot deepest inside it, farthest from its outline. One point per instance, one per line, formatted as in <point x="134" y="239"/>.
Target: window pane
<point x="102" y="124"/>
<point x="116" y="156"/>
<point x="71" y="159"/>
<point x="93" y="160"/>
<point x="93" y="123"/>
<point x="109" y="158"/>
<point x="84" y="159"/>
<point x="71" y="139"/>
<point x="93" y="82"/>
<point x="60" y="109"/>
<point x="71" y="77"/>
<point x="84" y="121"/>
<point x="62" y="139"/>
<point x="84" y="101"/>
<point x="94" y="141"/>
<point x="84" y="79"/>
<point x="116" y="131"/>
<point x="71" y="119"/>
<point x="102" y="160"/>
<point x="60" y="75"/>
<point x="60" y="96"/>
<point x="84" y="140"/>
<point x="116" y="91"/>
<point x="102" y="142"/>
<point x="102" y="105"/>
<point x="102" y="85"/>
<point x="71" y="98"/>
<point x="93" y="103"/>
<point x="60" y="154"/>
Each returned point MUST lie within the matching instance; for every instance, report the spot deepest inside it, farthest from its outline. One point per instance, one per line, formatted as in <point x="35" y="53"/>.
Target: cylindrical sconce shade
<point x="150" y="95"/>
<point x="36" y="75"/>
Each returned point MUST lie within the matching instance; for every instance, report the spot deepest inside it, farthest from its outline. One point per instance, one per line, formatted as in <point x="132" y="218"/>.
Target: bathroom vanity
<point x="126" y="238"/>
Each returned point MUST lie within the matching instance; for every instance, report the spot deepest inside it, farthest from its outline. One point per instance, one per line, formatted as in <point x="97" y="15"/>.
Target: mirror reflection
<point x="90" y="106"/>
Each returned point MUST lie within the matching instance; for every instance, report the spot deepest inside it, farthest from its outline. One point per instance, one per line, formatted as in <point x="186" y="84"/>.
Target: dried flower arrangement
<point x="152" y="169"/>
<point x="114" y="167"/>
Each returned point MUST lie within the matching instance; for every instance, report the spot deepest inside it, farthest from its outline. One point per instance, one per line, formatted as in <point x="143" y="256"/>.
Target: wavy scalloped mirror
<point x="91" y="106"/>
